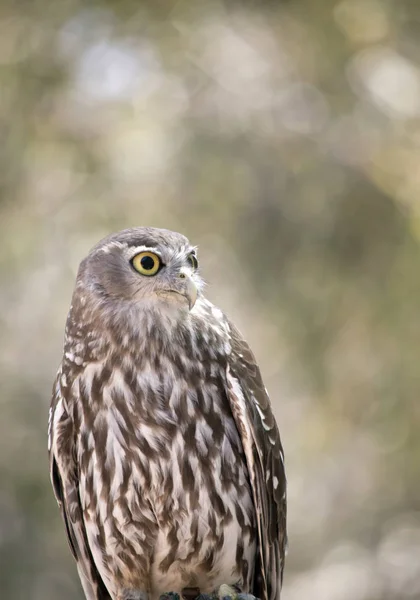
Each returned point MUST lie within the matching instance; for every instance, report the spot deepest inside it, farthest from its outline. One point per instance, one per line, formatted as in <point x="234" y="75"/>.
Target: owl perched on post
<point x="165" y="457"/>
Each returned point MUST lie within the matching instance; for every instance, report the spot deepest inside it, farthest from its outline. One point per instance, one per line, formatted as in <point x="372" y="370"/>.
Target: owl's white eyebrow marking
<point x="138" y="249"/>
<point x="108" y="247"/>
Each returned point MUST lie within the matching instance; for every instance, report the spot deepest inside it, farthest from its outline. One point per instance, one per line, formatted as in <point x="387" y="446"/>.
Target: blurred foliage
<point x="284" y="139"/>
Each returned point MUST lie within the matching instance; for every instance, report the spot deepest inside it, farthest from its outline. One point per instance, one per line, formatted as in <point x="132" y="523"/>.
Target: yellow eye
<point x="146" y="263"/>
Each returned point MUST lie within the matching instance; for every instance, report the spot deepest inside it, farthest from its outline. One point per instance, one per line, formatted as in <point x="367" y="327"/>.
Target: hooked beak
<point x="188" y="288"/>
<point x="184" y="287"/>
<point x="190" y="292"/>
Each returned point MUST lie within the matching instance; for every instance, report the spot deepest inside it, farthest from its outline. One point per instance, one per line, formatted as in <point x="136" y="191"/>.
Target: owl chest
<point x="173" y="442"/>
<point x="165" y="474"/>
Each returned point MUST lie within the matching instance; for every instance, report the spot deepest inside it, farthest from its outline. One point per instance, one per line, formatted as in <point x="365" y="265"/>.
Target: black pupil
<point x="148" y="263"/>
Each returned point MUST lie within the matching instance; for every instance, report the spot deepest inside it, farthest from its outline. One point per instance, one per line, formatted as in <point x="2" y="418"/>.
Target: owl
<point x="165" y="457"/>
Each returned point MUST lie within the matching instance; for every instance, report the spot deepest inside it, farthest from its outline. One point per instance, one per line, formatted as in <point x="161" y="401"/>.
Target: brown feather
<point x="267" y="464"/>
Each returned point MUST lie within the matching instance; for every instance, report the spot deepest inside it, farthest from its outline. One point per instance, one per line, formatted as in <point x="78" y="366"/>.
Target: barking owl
<point x="165" y="457"/>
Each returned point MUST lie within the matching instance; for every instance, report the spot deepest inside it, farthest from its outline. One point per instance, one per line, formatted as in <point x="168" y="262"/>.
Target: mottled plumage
<point x="165" y="456"/>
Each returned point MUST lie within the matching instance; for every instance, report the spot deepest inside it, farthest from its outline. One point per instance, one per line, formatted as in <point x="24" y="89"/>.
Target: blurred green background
<point x="284" y="139"/>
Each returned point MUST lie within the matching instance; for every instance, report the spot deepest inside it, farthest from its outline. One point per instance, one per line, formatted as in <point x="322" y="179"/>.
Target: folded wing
<point x="254" y="418"/>
<point x="65" y="481"/>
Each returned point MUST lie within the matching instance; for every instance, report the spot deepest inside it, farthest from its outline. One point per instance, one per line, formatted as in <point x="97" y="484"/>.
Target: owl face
<point x="144" y="267"/>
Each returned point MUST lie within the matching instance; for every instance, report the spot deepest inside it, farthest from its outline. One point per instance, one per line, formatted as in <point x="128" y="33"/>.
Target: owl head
<point x="143" y="268"/>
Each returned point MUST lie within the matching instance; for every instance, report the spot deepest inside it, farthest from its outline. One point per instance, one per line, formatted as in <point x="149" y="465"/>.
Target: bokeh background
<point x="284" y="139"/>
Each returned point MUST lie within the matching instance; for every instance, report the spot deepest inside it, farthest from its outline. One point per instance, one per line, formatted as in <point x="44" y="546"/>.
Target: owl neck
<point x="95" y="332"/>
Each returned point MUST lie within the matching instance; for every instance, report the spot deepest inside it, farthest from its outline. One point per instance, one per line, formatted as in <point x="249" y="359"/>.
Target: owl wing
<point x="255" y="421"/>
<point x="65" y="481"/>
